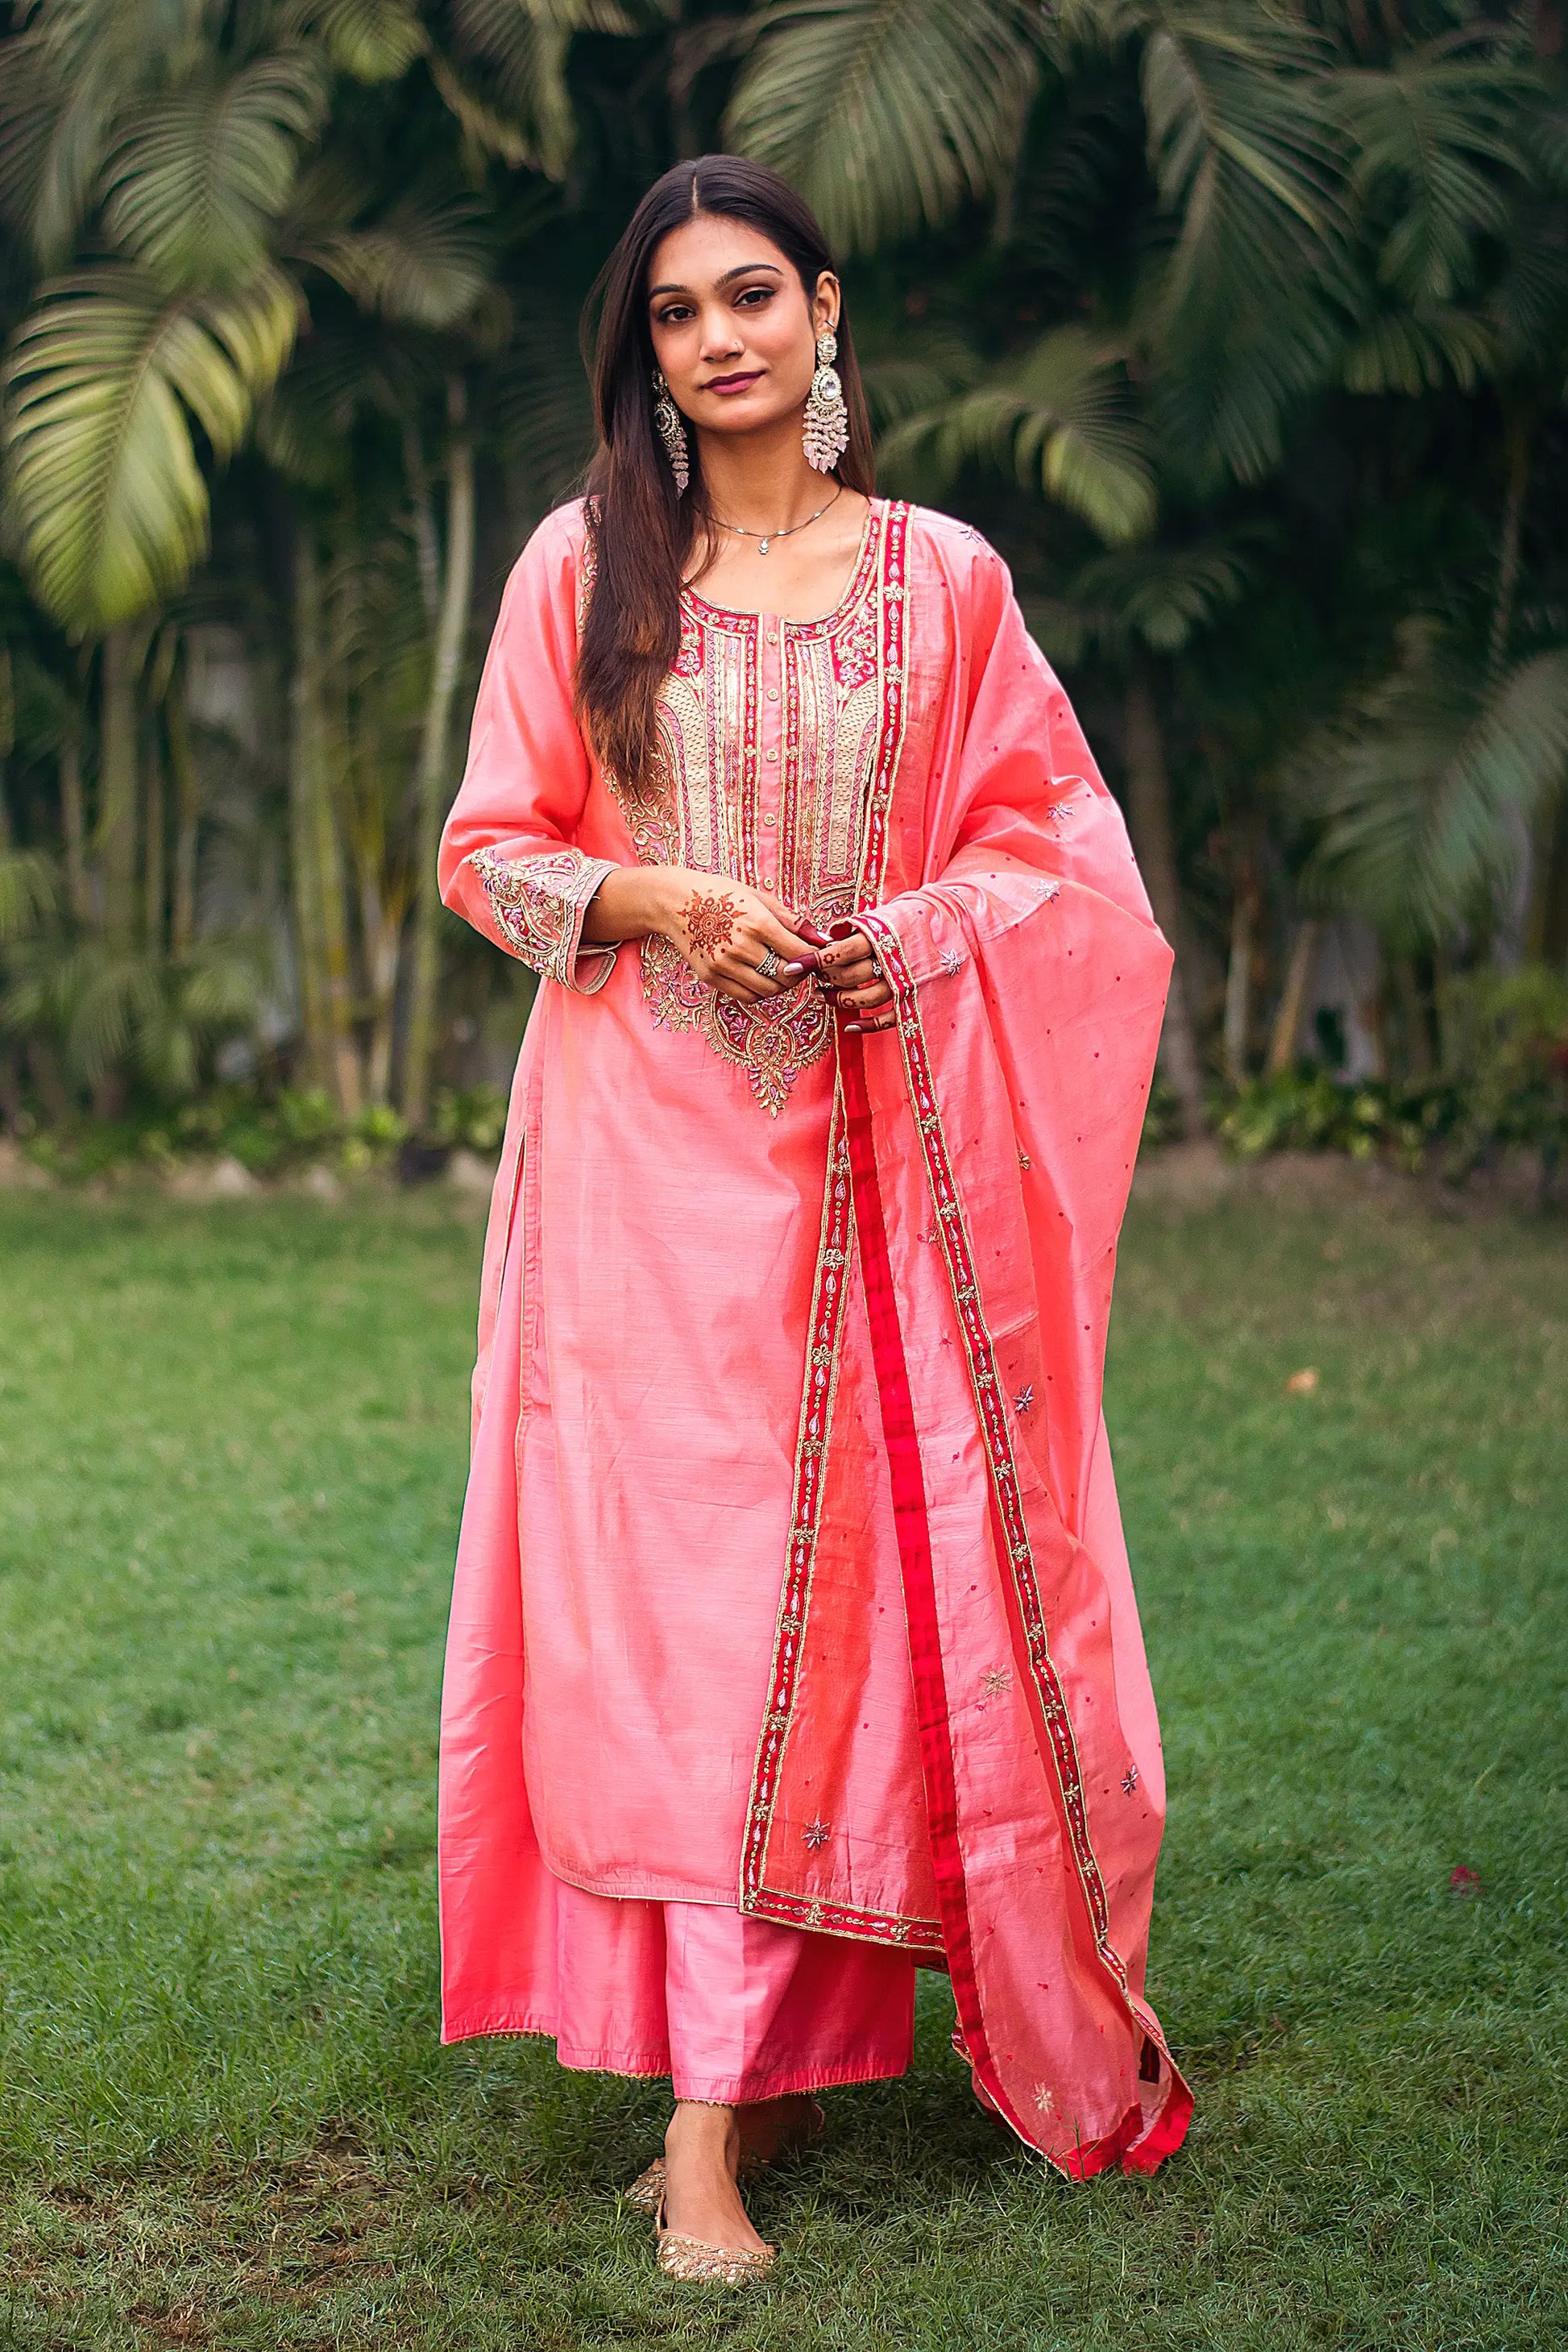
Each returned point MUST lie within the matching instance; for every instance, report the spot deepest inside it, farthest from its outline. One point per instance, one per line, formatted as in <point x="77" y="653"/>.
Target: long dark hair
<point x="642" y="532"/>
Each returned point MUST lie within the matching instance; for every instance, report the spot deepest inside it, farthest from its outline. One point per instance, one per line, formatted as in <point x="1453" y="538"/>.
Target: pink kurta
<point x="791" y="1576"/>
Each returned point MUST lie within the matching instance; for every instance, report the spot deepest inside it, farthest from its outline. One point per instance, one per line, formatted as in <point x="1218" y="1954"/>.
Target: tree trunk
<point x="1154" y="839"/>
<point x="1238" y="978"/>
<point x="73" y="826"/>
<point x="456" y="592"/>
<point x="1517" y="439"/>
<point x="320" y="914"/>
<point x="154" y="847"/>
<point x="1413" y="1017"/>
<point x="183" y="915"/>
<point x="7" y="738"/>
<point x="122" y="653"/>
<point x="1287" y="1019"/>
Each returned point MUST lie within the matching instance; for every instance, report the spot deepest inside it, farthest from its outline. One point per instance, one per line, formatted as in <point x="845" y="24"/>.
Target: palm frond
<point x="29" y="891"/>
<point x="1435" y="143"/>
<point x="107" y="503"/>
<point x="1247" y="158"/>
<point x="916" y="374"/>
<point x="887" y="113"/>
<point x="1418" y="351"/>
<point x="64" y="82"/>
<point x="519" y="48"/>
<point x="196" y="182"/>
<point x="425" y="264"/>
<point x="1425" y="786"/>
<point x="1060" y="420"/>
<point x="1160" y="597"/>
<point x="372" y="40"/>
<point x="543" y="416"/>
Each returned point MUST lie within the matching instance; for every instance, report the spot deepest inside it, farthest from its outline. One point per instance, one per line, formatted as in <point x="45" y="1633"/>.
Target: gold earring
<point x="671" y="432"/>
<point x="827" y="433"/>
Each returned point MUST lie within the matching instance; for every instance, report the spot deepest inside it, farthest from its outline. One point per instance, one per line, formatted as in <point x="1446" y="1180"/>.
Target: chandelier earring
<point x="671" y="432"/>
<point x="827" y="433"/>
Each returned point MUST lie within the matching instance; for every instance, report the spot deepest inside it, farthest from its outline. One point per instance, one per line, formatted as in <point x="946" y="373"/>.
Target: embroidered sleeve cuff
<point x="539" y="904"/>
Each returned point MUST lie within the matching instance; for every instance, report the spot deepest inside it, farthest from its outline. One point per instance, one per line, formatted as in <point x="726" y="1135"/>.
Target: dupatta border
<point x="1137" y="2142"/>
<point x="825" y="1334"/>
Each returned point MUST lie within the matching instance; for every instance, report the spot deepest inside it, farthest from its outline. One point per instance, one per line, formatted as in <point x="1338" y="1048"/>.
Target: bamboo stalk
<point x="120" y="670"/>
<point x="1154" y="839"/>
<point x="178" y="723"/>
<point x="1238" y="980"/>
<point x="1292" y="996"/>
<point x="433" y="781"/>
<point x="332" y="989"/>
<point x="73" y="827"/>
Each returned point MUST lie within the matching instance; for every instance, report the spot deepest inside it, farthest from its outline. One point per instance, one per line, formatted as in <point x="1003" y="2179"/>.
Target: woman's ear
<point x="825" y="304"/>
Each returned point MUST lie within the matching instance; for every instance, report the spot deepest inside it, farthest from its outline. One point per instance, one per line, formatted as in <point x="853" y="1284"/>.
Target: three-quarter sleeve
<point x="509" y="860"/>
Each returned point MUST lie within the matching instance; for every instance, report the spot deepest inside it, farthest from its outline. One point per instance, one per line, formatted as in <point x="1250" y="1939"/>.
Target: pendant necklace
<point x="766" y="537"/>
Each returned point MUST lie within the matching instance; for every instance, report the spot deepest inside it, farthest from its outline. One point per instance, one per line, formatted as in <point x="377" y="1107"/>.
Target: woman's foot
<point x="774" y="2127"/>
<point x="702" y="2152"/>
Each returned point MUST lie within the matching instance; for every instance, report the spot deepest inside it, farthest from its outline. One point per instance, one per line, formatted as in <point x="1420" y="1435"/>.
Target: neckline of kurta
<point x="725" y="617"/>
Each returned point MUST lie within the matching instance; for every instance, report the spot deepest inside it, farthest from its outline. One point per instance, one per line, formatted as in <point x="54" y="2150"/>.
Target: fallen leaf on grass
<point x="1464" y="1880"/>
<point x="1301" y="1384"/>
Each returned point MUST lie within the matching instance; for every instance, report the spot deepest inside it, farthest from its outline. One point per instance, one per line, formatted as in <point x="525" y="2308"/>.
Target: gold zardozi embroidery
<point x="841" y="684"/>
<point x="539" y="904"/>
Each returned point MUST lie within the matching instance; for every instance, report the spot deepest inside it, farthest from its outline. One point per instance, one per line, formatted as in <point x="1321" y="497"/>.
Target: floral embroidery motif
<point x="1130" y="1780"/>
<point x="997" y="1680"/>
<point x="1024" y="1400"/>
<point x="710" y="922"/>
<point x="816" y="1834"/>
<point x="951" y="962"/>
<point x="1024" y="1162"/>
<point x="539" y="904"/>
<point x="840" y="685"/>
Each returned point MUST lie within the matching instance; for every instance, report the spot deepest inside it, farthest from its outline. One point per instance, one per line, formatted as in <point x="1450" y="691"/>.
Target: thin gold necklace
<point x="764" y="538"/>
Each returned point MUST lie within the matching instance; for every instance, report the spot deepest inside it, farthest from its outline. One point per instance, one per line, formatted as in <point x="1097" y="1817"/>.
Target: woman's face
<point x="732" y="326"/>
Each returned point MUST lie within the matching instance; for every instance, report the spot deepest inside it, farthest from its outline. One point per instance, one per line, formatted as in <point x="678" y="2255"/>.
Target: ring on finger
<point x="769" y="963"/>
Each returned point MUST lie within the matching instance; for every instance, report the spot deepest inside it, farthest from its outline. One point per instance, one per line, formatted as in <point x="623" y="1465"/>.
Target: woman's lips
<point x="733" y="383"/>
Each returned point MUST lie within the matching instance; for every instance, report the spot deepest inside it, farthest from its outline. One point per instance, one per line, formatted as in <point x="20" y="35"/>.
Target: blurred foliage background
<point x="1240" y="326"/>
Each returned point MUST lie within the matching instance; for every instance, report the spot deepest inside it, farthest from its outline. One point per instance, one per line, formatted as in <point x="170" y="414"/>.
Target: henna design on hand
<point x="710" y="922"/>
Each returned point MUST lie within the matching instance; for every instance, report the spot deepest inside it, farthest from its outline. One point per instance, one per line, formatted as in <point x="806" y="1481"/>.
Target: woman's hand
<point x="745" y="943"/>
<point x="847" y="971"/>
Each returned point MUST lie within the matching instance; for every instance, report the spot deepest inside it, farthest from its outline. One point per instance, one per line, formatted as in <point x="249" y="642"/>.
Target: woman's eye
<point x="755" y="294"/>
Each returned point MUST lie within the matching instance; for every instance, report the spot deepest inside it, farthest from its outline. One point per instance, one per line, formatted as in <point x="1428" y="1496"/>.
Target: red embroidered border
<point x="822" y="1335"/>
<point x="920" y="1589"/>
<point x="921" y="1938"/>
<point x="892" y="655"/>
<point x="1010" y="1525"/>
<point x="886" y="548"/>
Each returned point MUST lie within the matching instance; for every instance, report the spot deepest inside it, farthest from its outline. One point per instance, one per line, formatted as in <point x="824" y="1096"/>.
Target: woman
<point x="793" y="1643"/>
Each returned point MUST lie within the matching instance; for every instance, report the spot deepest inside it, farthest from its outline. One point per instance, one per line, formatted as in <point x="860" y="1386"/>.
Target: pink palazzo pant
<point x="733" y="2008"/>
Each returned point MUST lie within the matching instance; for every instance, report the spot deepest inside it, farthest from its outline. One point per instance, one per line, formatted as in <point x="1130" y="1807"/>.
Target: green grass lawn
<point x="231" y="1454"/>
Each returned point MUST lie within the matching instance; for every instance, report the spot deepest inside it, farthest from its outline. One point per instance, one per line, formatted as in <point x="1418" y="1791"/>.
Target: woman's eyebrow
<point x="742" y="269"/>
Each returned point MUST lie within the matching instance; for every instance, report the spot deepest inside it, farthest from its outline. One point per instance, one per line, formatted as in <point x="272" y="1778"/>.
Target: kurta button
<point x="773" y="636"/>
<point x="772" y="755"/>
<point x="773" y="694"/>
<point x="770" y="819"/>
<point x="768" y="882"/>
